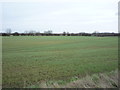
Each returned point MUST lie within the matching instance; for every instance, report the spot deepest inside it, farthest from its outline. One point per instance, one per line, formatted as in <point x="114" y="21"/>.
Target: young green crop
<point x="28" y="60"/>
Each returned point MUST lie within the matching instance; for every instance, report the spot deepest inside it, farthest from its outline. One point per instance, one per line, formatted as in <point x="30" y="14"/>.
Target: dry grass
<point x="101" y="80"/>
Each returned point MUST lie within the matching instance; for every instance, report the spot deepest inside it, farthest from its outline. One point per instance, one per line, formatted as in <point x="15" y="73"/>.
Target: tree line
<point x="50" y="33"/>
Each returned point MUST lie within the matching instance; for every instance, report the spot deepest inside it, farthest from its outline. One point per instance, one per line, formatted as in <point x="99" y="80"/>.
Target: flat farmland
<point x="28" y="60"/>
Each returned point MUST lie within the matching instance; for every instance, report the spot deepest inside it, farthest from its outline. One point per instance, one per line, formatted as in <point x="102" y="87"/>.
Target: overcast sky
<point x="61" y="15"/>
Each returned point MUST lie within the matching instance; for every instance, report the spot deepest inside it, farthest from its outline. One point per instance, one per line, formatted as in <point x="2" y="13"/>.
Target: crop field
<point x="30" y="60"/>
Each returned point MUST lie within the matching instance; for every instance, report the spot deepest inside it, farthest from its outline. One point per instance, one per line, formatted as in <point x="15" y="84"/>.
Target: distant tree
<point x="8" y="31"/>
<point x="68" y="34"/>
<point x="49" y="32"/>
<point x="95" y="33"/>
<point x="15" y="34"/>
<point x="5" y="34"/>
<point x="32" y="32"/>
<point x="64" y="33"/>
<point x="22" y="34"/>
<point x="81" y="33"/>
<point x="37" y="33"/>
<point x="26" y="32"/>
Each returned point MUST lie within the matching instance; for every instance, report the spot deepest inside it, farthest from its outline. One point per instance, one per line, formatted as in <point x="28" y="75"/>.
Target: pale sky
<point x="60" y="15"/>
